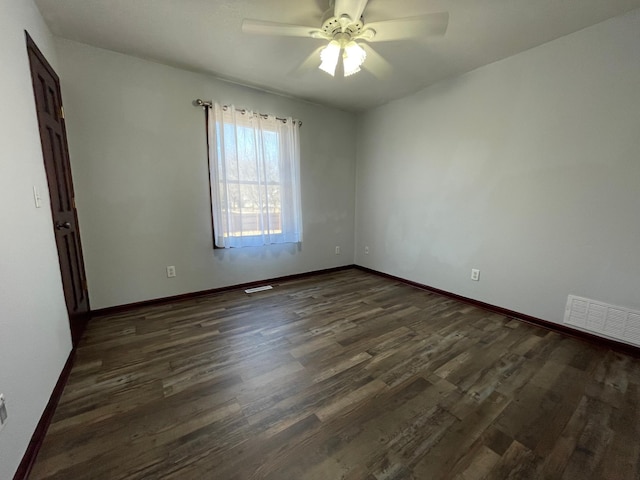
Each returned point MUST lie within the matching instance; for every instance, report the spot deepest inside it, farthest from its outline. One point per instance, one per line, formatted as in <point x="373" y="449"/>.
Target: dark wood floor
<point x="340" y="376"/>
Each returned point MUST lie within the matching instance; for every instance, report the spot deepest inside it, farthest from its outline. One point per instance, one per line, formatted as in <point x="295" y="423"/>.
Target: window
<point x="255" y="180"/>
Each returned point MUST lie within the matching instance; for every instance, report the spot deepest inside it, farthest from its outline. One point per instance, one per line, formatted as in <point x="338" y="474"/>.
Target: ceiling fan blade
<point x="260" y="27"/>
<point x="352" y="8"/>
<point x="309" y="64"/>
<point x="375" y="63"/>
<point x="412" y="27"/>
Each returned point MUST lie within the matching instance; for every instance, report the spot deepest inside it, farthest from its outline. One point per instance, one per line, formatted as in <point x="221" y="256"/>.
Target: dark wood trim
<point x="29" y="457"/>
<point x="556" y="327"/>
<point x="176" y="298"/>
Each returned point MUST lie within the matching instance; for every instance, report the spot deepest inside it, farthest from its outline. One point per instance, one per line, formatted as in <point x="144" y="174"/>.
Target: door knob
<point x="60" y="226"/>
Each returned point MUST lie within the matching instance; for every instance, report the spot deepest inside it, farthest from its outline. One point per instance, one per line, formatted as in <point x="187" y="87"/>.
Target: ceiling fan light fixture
<point x="352" y="58"/>
<point x="343" y="25"/>
<point x="329" y="56"/>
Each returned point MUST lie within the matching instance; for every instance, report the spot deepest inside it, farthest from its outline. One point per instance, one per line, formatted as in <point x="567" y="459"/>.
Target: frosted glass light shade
<point x="352" y="58"/>
<point x="329" y="56"/>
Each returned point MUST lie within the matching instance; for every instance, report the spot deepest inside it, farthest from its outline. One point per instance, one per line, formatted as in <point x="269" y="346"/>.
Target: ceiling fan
<point x="343" y="26"/>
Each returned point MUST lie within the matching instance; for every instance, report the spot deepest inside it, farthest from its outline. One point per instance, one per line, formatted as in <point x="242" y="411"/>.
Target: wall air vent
<point x="608" y="320"/>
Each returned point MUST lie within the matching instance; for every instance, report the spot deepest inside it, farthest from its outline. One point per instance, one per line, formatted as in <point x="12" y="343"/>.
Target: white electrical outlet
<point x="171" y="271"/>
<point x="366" y="250"/>
<point x="475" y="274"/>
<point x="337" y="250"/>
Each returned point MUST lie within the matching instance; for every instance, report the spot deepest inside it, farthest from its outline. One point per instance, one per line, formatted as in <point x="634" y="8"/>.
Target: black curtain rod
<point x="201" y="103"/>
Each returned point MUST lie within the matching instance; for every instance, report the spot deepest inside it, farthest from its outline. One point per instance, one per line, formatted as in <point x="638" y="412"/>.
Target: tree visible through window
<point x="255" y="187"/>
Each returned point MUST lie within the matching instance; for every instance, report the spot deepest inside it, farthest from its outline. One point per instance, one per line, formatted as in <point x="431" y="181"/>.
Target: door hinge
<point x="84" y="285"/>
<point x="73" y="202"/>
<point x="61" y="112"/>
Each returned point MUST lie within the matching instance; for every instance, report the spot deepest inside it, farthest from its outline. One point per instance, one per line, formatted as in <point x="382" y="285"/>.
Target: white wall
<point x="139" y="160"/>
<point x="527" y="169"/>
<point x="34" y="328"/>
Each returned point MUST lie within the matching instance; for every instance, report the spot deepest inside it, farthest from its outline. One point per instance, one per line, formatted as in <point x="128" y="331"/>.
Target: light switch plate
<point x="3" y="412"/>
<point x="36" y="197"/>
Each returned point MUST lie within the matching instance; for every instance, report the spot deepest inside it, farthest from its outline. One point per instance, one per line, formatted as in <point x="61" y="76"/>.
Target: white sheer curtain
<point x="255" y="178"/>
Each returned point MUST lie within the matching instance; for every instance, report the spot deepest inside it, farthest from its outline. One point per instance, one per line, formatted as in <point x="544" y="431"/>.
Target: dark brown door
<point x="53" y="136"/>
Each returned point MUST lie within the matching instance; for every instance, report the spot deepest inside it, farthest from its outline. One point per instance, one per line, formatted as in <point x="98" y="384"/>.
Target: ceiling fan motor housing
<point x="344" y="24"/>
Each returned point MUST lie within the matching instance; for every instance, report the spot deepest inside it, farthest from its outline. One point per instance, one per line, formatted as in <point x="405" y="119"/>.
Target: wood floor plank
<point x="343" y="375"/>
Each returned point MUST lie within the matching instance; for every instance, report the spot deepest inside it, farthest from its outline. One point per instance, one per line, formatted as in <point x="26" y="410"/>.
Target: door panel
<point x="46" y="89"/>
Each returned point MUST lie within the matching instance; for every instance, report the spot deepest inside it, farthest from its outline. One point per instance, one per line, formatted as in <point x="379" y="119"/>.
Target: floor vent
<point x="258" y="289"/>
<point x="615" y="322"/>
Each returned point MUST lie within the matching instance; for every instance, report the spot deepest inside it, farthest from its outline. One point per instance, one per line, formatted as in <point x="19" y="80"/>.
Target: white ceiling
<point x="205" y="35"/>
